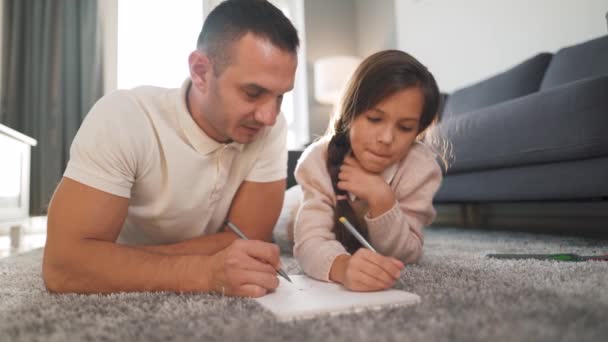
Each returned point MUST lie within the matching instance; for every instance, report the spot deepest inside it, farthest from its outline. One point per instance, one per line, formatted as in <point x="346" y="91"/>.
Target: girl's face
<point x="384" y="134"/>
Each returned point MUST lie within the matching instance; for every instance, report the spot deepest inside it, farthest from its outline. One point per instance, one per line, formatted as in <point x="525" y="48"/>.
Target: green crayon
<point x="556" y="257"/>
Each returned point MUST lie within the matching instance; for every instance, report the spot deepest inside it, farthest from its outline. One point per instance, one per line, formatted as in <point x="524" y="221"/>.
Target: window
<point x="155" y="38"/>
<point x="295" y="103"/>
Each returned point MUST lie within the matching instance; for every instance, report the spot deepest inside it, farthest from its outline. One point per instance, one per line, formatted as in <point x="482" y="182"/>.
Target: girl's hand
<point x="361" y="183"/>
<point x="366" y="271"/>
<point x="368" y="186"/>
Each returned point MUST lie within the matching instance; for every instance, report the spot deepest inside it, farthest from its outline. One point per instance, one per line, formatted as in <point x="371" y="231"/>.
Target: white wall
<point x="464" y="41"/>
<point x="375" y="26"/>
<point x="330" y="30"/>
<point x="344" y="27"/>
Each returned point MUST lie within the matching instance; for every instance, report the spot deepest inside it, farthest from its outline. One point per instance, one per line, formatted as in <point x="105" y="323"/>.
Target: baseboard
<point x="573" y="218"/>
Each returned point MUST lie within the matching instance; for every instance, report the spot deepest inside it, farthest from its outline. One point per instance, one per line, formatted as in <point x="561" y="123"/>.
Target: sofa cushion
<point x="564" y="123"/>
<point x="520" y="80"/>
<point x="568" y="180"/>
<point x="577" y="62"/>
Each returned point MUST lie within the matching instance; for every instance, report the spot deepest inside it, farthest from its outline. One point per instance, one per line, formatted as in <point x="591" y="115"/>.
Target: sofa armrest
<point x="560" y="124"/>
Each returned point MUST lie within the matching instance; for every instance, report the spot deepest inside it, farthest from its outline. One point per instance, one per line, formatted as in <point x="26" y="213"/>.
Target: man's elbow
<point x="54" y="274"/>
<point x="52" y="280"/>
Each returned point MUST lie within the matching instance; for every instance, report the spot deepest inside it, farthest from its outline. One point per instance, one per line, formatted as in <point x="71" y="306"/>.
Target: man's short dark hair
<point x="232" y="19"/>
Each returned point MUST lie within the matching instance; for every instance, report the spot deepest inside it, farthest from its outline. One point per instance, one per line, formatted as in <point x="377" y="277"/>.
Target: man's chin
<point x="243" y="141"/>
<point x="246" y="135"/>
<point x="244" y="138"/>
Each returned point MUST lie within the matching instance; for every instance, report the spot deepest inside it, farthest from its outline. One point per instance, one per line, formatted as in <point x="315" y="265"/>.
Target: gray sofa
<point x="534" y="135"/>
<point x="536" y="132"/>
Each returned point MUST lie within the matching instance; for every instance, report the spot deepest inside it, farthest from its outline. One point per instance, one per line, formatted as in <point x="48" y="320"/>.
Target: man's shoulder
<point x="135" y="98"/>
<point x="115" y="105"/>
<point x="119" y="118"/>
<point x="130" y="107"/>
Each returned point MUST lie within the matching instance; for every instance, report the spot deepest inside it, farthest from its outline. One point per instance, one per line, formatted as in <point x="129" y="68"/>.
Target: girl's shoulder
<point x="316" y="152"/>
<point x="421" y="152"/>
<point x="419" y="159"/>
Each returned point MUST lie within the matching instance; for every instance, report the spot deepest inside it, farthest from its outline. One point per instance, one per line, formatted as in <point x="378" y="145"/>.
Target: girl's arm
<point x="398" y="231"/>
<point x="316" y="246"/>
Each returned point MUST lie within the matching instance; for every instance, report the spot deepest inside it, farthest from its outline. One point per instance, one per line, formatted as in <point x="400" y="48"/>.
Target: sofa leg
<point x="472" y="215"/>
<point x="463" y="215"/>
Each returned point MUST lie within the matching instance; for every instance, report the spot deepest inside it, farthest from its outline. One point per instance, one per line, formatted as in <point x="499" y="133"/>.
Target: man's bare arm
<point x="81" y="255"/>
<point x="255" y="210"/>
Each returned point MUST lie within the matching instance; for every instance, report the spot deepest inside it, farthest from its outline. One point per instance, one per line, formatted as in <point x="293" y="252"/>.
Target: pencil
<point x="360" y="238"/>
<point x="240" y="234"/>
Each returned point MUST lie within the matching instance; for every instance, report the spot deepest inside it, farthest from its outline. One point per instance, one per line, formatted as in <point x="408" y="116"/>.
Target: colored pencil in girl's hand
<point x="360" y="238"/>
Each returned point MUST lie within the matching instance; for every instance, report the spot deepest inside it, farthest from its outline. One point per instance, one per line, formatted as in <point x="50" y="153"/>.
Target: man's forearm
<point x="205" y="245"/>
<point x="94" y="266"/>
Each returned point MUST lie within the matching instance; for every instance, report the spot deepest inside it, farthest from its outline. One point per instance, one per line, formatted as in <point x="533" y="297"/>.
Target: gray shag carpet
<point x="465" y="297"/>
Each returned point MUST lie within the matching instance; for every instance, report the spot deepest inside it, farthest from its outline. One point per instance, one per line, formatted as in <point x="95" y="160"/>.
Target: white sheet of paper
<point x="307" y="298"/>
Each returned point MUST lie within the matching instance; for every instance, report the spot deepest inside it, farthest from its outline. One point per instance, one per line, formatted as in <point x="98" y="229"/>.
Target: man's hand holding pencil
<point x="246" y="268"/>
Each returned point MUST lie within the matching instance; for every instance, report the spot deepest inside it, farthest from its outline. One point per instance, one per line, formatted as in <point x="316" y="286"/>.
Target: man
<point x="154" y="173"/>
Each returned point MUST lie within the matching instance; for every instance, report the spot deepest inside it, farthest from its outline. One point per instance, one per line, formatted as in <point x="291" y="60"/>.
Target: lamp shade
<point x="331" y="75"/>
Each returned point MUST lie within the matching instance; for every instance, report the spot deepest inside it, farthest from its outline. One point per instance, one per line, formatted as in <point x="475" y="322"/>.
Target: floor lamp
<point x="331" y="75"/>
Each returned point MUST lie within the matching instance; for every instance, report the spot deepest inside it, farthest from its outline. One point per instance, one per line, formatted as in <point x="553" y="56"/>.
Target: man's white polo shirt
<point x="143" y="144"/>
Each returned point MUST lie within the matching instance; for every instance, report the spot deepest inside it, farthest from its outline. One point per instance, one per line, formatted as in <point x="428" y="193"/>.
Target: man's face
<point x="247" y="94"/>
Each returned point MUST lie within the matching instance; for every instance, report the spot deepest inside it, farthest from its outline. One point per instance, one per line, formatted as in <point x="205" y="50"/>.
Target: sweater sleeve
<point x="399" y="231"/>
<point x="315" y="246"/>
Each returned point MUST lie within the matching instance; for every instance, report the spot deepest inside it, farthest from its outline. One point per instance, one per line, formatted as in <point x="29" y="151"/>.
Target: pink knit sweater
<point x="397" y="233"/>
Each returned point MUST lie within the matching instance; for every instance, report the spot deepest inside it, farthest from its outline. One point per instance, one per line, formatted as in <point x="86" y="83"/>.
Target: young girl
<point x="373" y="171"/>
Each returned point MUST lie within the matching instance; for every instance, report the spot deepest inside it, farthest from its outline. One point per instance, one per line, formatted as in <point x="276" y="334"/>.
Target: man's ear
<point x="200" y="70"/>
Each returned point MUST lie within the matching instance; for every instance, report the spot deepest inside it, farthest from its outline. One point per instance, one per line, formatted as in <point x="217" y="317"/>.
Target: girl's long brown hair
<point x="378" y="77"/>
